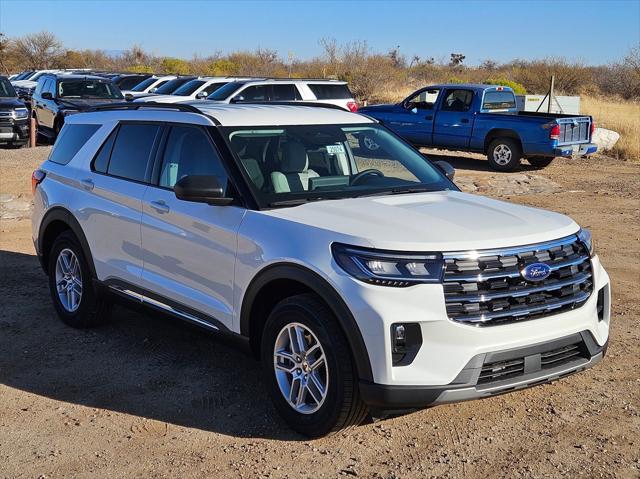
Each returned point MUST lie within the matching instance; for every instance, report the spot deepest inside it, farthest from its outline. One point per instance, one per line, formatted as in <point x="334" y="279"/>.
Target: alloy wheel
<point x="68" y="280"/>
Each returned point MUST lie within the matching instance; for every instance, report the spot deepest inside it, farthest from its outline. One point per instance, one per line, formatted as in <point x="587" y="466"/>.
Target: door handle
<point x="160" y="206"/>
<point x="464" y="120"/>
<point x="87" y="184"/>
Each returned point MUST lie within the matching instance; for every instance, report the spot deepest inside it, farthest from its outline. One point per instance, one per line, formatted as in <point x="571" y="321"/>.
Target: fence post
<point x="33" y="134"/>
<point x="551" y="84"/>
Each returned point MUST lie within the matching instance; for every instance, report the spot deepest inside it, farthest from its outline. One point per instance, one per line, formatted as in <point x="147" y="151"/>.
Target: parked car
<point x="14" y="117"/>
<point x="360" y="281"/>
<point x="127" y="81"/>
<point x="58" y="96"/>
<point x="286" y="90"/>
<point x="484" y="119"/>
<point x="25" y="88"/>
<point x="172" y="85"/>
<point x="147" y="86"/>
<point x="197" y="89"/>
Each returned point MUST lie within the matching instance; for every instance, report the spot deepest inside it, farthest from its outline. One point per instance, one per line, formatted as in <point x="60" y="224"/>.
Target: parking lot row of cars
<point x="52" y="95"/>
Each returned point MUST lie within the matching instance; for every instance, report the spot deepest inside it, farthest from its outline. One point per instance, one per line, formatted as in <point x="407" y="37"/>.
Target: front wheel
<point x="504" y="154"/>
<point x="540" y="161"/>
<point x="308" y="368"/>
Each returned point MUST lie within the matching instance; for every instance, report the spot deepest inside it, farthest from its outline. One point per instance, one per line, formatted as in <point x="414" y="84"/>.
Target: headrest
<point x="294" y="157"/>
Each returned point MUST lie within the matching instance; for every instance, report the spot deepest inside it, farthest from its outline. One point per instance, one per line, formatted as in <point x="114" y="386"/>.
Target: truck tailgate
<point x="574" y="130"/>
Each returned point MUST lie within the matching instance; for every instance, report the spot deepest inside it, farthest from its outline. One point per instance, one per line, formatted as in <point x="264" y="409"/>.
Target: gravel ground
<point x="150" y="397"/>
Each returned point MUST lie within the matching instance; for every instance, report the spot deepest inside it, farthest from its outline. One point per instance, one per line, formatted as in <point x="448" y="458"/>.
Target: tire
<point x="316" y="416"/>
<point x="540" y="161"/>
<point x="504" y="154"/>
<point x="92" y="308"/>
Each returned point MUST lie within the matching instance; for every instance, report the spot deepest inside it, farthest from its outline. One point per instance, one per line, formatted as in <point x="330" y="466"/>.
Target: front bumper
<point x="468" y="384"/>
<point x="576" y="150"/>
<point x="14" y="131"/>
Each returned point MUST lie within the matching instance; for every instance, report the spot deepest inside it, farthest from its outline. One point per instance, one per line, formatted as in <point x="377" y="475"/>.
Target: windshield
<point x="226" y="91"/>
<point x="172" y="86"/>
<point x="6" y="89"/>
<point x="88" y="89"/>
<point x="188" y="88"/>
<point x="145" y="84"/>
<point x="295" y="164"/>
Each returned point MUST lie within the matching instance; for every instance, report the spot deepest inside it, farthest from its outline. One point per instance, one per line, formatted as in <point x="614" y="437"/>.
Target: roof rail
<point x="306" y="79"/>
<point x="151" y="105"/>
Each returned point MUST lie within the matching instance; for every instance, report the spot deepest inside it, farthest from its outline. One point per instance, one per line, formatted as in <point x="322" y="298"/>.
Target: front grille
<point x="511" y="368"/>
<point x="486" y="288"/>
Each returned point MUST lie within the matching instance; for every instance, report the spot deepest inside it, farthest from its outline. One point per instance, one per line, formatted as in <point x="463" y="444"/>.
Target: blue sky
<point x="594" y="32"/>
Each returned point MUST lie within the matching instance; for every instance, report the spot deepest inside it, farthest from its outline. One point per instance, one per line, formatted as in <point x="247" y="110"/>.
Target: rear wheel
<point x="308" y="368"/>
<point x="504" y="154"/>
<point x="74" y="296"/>
<point x="540" y="161"/>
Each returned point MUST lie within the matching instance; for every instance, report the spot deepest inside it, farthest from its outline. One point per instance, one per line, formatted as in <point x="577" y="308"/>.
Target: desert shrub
<point x="517" y="88"/>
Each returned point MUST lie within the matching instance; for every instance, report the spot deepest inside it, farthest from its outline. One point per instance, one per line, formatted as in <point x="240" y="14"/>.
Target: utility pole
<point x="551" y="85"/>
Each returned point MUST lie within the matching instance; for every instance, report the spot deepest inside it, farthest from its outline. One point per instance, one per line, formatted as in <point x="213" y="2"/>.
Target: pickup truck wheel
<point x="74" y="296"/>
<point x="308" y="368"/>
<point x="504" y="154"/>
<point x="540" y="161"/>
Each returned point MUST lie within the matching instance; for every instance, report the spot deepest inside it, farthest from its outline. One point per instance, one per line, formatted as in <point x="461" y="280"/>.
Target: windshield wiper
<point x="396" y="191"/>
<point x="300" y="201"/>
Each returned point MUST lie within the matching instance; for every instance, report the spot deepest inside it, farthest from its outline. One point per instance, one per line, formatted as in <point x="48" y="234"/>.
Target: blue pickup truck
<point x="483" y="119"/>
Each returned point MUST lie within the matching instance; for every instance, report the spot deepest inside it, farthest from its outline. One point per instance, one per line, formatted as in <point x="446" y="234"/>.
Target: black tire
<point x="342" y="406"/>
<point x="540" y="161"/>
<point x="94" y="309"/>
<point x="504" y="154"/>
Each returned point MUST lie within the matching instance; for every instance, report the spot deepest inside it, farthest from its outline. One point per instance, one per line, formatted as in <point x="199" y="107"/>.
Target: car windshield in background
<point x="6" y="89"/>
<point x="226" y="91"/>
<point x="145" y="84"/>
<point x="295" y="164"/>
<point x="498" y="100"/>
<point x="188" y="88"/>
<point x="88" y="89"/>
<point x="172" y="86"/>
<point x="127" y="83"/>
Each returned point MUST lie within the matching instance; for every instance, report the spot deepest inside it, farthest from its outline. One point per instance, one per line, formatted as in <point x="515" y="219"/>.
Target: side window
<point x="51" y="86"/>
<point x="71" y="139"/>
<point x="256" y="93"/>
<point x="457" y="100"/>
<point x="39" y="86"/>
<point x="284" y="93"/>
<point x="189" y="152"/>
<point x="424" y="99"/>
<point x="159" y="84"/>
<point x="208" y="90"/>
<point x="131" y="151"/>
<point x="101" y="161"/>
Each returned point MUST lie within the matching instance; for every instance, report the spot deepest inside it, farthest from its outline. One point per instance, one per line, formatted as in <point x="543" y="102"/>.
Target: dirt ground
<point x="150" y="397"/>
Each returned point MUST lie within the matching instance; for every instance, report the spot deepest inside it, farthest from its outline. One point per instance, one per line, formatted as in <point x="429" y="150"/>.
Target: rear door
<point x="454" y="119"/>
<point x="189" y="248"/>
<point x="115" y="187"/>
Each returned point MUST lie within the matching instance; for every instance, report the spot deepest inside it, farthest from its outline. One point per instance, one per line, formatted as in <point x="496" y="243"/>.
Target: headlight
<point x="584" y="235"/>
<point x="20" y="113"/>
<point x="386" y="268"/>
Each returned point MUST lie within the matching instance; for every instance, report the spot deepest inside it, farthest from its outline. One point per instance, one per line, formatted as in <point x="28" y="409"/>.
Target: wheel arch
<point x="500" y="133"/>
<point x="282" y="280"/>
<point x="54" y="222"/>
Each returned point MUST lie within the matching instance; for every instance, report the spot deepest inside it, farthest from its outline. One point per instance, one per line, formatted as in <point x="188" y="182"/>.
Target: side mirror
<point x="47" y="95"/>
<point x="448" y="170"/>
<point x="202" y="95"/>
<point x="128" y="97"/>
<point x="237" y="99"/>
<point x="153" y="90"/>
<point x="201" y="189"/>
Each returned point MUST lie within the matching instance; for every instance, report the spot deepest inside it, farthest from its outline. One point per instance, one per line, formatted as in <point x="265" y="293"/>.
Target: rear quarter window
<point x="324" y="91"/>
<point x="71" y="139"/>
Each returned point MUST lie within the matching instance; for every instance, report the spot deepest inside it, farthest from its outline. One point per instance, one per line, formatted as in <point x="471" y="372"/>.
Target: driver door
<point x="417" y="121"/>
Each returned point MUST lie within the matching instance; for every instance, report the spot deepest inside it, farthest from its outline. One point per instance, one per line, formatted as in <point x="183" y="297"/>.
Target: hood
<point x="82" y="103"/>
<point x="438" y="221"/>
<point x="24" y="83"/>
<point x="136" y="94"/>
<point x="378" y="108"/>
<point x="11" y="102"/>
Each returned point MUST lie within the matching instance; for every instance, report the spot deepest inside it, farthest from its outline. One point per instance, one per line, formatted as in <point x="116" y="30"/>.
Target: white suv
<point x="331" y="92"/>
<point x="364" y="283"/>
<point x="196" y="89"/>
<point x="148" y="86"/>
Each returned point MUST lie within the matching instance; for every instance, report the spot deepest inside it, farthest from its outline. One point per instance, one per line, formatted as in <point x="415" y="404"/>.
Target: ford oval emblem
<point x="536" y="272"/>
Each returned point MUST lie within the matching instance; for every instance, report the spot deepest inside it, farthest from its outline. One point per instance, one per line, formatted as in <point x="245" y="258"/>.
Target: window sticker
<point x="335" y="149"/>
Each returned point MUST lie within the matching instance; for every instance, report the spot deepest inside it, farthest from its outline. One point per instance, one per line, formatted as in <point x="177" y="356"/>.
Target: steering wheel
<point x="371" y="171"/>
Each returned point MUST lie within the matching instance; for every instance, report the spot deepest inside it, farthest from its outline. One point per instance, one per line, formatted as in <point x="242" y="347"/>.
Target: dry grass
<point x="620" y="116"/>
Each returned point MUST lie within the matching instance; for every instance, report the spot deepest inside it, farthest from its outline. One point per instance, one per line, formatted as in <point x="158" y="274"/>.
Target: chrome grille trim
<point x="485" y="287"/>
